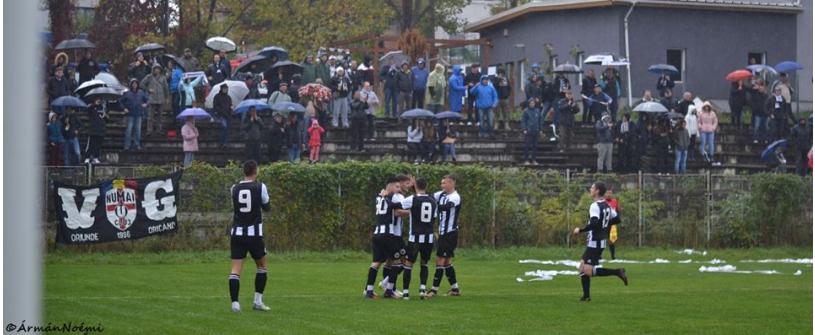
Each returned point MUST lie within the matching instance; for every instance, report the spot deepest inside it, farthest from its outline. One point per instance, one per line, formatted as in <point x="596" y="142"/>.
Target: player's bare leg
<point x="260" y="285"/>
<point x="235" y="283"/>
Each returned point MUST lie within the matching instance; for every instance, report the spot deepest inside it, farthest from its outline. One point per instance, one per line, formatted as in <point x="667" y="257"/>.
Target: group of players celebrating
<point x="422" y="210"/>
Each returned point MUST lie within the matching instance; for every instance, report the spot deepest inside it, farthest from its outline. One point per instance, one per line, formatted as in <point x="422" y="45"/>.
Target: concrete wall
<point x="804" y="55"/>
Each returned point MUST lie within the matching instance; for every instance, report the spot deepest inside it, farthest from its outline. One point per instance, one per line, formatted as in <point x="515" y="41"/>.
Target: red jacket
<point x="315" y="136"/>
<point x="613" y="203"/>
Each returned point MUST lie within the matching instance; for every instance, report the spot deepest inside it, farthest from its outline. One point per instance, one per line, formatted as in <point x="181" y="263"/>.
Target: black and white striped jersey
<point x="422" y="213"/>
<point x="248" y="198"/>
<point x="601" y="217"/>
<point x="387" y="222"/>
<point x="449" y="210"/>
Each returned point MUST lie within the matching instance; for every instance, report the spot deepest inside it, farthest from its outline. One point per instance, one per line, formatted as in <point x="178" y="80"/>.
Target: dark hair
<point x="392" y="180"/>
<point x="402" y="177"/>
<point x="601" y="187"/>
<point x="421" y="184"/>
<point x="450" y="177"/>
<point x="250" y="168"/>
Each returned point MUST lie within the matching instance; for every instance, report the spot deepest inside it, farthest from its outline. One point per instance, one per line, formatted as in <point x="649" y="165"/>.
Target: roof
<point x="535" y="6"/>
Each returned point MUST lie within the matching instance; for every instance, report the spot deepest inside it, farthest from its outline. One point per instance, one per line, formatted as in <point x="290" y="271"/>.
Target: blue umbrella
<point x="448" y="115"/>
<point x="68" y="101"/>
<point x="768" y="155"/>
<point x="417" y="113"/>
<point x="788" y="66"/>
<point x="197" y="113"/>
<point x="662" y="68"/>
<point x="289" y="107"/>
<point x="756" y="68"/>
<point x="244" y="106"/>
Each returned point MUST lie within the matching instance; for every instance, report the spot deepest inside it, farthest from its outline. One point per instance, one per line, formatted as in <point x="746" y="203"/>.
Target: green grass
<point x="320" y="293"/>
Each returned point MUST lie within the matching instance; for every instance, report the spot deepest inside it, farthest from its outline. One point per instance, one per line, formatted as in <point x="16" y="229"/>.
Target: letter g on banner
<point x="151" y="204"/>
<point x="79" y="218"/>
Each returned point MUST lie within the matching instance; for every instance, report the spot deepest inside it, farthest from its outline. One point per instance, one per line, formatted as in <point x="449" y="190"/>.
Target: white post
<point x="627" y="53"/>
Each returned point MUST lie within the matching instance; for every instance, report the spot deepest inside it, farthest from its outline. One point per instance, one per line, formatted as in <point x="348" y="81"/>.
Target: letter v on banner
<point x="73" y="216"/>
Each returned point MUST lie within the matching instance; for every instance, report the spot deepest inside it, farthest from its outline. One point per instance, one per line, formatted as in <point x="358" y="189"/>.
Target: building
<point x="705" y="39"/>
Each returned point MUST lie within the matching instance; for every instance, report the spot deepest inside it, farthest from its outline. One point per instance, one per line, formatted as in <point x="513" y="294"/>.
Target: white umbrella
<point x="109" y="80"/>
<point x="88" y="85"/>
<point x="598" y="59"/>
<point x="621" y="62"/>
<point x="220" y="43"/>
<point x="650" y="107"/>
<point x="237" y="91"/>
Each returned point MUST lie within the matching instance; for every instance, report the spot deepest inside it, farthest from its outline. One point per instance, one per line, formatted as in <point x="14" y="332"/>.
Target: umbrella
<point x="567" y="68"/>
<point x="237" y="91"/>
<point x="675" y="115"/>
<point x="87" y="86"/>
<point x="104" y="93"/>
<point x="197" y="113"/>
<point x="219" y="43"/>
<point x="398" y="57"/>
<point x="289" y="107"/>
<point x="662" y="68"/>
<point x="261" y="63"/>
<point x="286" y="66"/>
<point x="245" y="105"/>
<point x="149" y="47"/>
<point x="417" y="113"/>
<point x="739" y="75"/>
<point x="650" y="107"/>
<point x="599" y="59"/>
<point x="268" y="52"/>
<point x="448" y="115"/>
<point x="165" y="58"/>
<point x="787" y="66"/>
<point x="756" y="68"/>
<point x="768" y="155"/>
<point x="109" y="80"/>
<point x="77" y="43"/>
<point x="68" y="101"/>
<point x="621" y="62"/>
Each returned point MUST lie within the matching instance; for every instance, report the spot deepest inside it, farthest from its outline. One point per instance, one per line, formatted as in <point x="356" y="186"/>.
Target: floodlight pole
<point x="627" y="53"/>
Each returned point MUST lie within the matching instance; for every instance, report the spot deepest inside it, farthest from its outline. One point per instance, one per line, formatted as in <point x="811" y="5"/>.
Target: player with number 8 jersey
<point x="420" y="240"/>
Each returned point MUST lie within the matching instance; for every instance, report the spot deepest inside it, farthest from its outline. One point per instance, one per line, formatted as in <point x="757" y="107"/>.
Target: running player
<point x="246" y="235"/>
<point x="420" y="240"/>
<point x="601" y="215"/>
<point x="449" y="208"/>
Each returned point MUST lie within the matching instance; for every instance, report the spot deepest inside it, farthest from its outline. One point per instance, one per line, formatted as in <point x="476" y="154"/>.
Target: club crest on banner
<point x="120" y="203"/>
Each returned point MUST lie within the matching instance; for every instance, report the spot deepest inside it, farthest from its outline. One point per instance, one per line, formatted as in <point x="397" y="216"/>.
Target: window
<point x="676" y="57"/>
<point x="756" y="58"/>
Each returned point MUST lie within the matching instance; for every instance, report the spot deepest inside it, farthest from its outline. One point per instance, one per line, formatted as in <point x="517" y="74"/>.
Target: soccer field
<point x="321" y="293"/>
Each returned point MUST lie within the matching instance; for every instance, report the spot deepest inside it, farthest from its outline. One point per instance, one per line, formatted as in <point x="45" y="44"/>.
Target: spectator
<point x="225" y="65"/>
<point x="216" y="73"/>
<point x="457" y="89"/>
<point x="314" y="141"/>
<point x="472" y="79"/>
<point x="354" y="76"/>
<point x="534" y="89"/>
<point x="332" y="66"/>
<point x="737" y="100"/>
<point x="802" y="138"/>
<point x="252" y="128"/>
<point x="605" y="147"/>
<point x="667" y="100"/>
<point x="70" y="131"/>
<point x="281" y="95"/>
<point x="429" y="140"/>
<point x="661" y="146"/>
<point x="175" y="79"/>
<point x="778" y="109"/>
<point x="419" y="76"/>
<point x="530" y="122"/>
<point x="486" y="98"/>
<point x="60" y="60"/>
<point x="504" y="90"/>
<point x="134" y="102"/>
<point x="758" y="97"/>
<point x="414" y="141"/>
<point x="682" y="106"/>
<point x="323" y="70"/>
<point x="341" y="86"/>
<point x="309" y="69"/>
<point x="648" y="97"/>
<point x="404" y="84"/>
<point x="625" y="136"/>
<point x="449" y="141"/>
<point x="665" y="83"/>
<point x="613" y="88"/>
<point x="586" y="90"/>
<point x="786" y="90"/>
<point x="708" y="123"/>
<point x="187" y="90"/>
<point x="58" y="86"/>
<point x="368" y="96"/>
<point x="192" y="62"/>
<point x="55" y="140"/>
<point x="87" y="68"/>
<point x="294" y="139"/>
<point x="567" y="109"/>
<point x="388" y="75"/>
<point x="158" y="93"/>
<point x="190" y="135"/>
<point x="359" y="120"/>
<point x="692" y="126"/>
<point x="139" y="69"/>
<point x="294" y="88"/>
<point x="365" y="71"/>
<point x="681" y="142"/>
<point x="598" y="103"/>
<point x="97" y="118"/>
<point x="222" y="105"/>
<point x="561" y="84"/>
<point x="436" y="84"/>
<point x="548" y="100"/>
<point x="277" y="137"/>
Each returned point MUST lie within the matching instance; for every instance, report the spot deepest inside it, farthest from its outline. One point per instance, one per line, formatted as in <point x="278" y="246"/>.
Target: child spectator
<point x="315" y="140"/>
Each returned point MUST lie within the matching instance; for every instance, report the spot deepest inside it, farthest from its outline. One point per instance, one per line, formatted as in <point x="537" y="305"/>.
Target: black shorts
<point x="415" y="249"/>
<point x="447" y="245"/>
<point x="242" y="244"/>
<point x="384" y="247"/>
<point x="592" y="256"/>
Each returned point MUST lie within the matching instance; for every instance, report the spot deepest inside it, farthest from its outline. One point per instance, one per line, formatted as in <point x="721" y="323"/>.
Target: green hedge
<point x="330" y="207"/>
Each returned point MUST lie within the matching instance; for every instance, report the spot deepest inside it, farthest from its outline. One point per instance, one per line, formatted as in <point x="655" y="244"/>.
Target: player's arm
<point x="264" y="198"/>
<point x="452" y="201"/>
<point x="402" y="208"/>
<point x="615" y="218"/>
<point x="594" y="220"/>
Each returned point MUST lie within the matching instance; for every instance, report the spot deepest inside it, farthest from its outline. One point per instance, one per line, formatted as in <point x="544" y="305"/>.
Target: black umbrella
<point x="77" y="43"/>
<point x="149" y="47"/>
<point x="287" y="67"/>
<point x="281" y="53"/>
<point x="261" y="64"/>
<point x="165" y="58"/>
<point x="104" y="93"/>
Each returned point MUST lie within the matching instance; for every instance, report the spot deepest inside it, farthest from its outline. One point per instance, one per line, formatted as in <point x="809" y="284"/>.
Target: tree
<point x="426" y="15"/>
<point x="414" y="44"/>
<point x="60" y="13"/>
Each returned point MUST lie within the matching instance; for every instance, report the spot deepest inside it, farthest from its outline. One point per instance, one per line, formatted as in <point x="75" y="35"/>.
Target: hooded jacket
<point x="388" y="74"/>
<point x="309" y="72"/>
<point x="708" y="122"/>
<point x="485" y="95"/>
<point x="404" y="80"/>
<point x="156" y="87"/>
<point x="435" y="86"/>
<point x="419" y="75"/>
<point x="133" y="100"/>
<point x="457" y="89"/>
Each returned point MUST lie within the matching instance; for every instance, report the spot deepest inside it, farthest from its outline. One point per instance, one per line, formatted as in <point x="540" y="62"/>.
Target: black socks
<point x="437" y="276"/>
<point x="423" y="272"/>
<point x="603" y="272"/>
<point x="260" y="280"/>
<point x="451" y="276"/>
<point x="372" y="275"/>
<point x="406" y="279"/>
<point x="234" y="286"/>
<point x="586" y="281"/>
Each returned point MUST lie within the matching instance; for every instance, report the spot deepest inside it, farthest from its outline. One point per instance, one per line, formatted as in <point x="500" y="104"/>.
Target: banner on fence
<point x="115" y="210"/>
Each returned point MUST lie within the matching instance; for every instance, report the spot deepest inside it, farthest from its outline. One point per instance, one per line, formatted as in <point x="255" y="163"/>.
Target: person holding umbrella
<point x="737" y="100"/>
<point x="612" y="87"/>
<point x="88" y="67"/>
<point x="58" y="86"/>
<point x="252" y="128"/>
<point x="222" y="105"/>
<point x="139" y="68"/>
<point x="436" y="85"/>
<point x="134" y="102"/>
<point x="281" y="95"/>
<point x="598" y="102"/>
<point x="98" y="123"/>
<point x="70" y="131"/>
<point x="665" y="82"/>
<point x="189" y="133"/>
<point x="216" y="72"/>
<point x="758" y="97"/>
<point x="187" y="90"/>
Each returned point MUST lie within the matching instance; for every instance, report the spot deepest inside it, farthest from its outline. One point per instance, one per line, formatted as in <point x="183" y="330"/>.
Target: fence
<point x="325" y="207"/>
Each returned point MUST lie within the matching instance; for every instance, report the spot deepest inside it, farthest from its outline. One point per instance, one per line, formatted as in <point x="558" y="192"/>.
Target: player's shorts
<point x="592" y="256"/>
<point x="240" y="245"/>
<point x="414" y="249"/>
<point x="384" y="247"/>
<point x="447" y="245"/>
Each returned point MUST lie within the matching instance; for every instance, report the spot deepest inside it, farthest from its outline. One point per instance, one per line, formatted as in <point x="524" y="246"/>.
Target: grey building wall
<point x="804" y="55"/>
